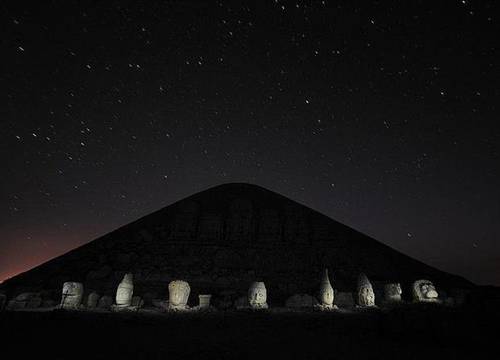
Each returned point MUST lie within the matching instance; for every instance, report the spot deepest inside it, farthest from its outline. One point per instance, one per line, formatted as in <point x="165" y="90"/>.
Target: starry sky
<point x="379" y="114"/>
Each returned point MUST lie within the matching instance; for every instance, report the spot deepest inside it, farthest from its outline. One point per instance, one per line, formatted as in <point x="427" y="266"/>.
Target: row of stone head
<point x="179" y="290"/>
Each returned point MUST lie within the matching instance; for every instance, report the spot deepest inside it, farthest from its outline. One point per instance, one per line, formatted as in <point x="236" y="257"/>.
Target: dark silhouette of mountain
<point x="223" y="238"/>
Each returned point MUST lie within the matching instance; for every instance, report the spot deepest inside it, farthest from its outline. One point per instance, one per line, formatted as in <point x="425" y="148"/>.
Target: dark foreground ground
<point x="423" y="332"/>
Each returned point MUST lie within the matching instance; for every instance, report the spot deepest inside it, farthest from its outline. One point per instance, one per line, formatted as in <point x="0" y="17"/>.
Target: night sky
<point x="379" y="114"/>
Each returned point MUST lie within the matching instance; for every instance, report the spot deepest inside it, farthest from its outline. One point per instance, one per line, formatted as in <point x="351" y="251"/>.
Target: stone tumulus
<point x="221" y="240"/>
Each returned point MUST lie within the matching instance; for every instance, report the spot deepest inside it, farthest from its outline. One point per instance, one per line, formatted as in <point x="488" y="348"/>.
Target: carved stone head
<point x="178" y="294"/>
<point x="392" y="292"/>
<point x="72" y="294"/>
<point x="424" y="291"/>
<point x="125" y="291"/>
<point x="257" y="294"/>
<point x="326" y="294"/>
<point x="366" y="295"/>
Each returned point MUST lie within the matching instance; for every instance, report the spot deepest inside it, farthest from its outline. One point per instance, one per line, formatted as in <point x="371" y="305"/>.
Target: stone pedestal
<point x="204" y="301"/>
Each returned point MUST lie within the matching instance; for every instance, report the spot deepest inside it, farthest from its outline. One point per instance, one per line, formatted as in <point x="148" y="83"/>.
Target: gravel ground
<point x="413" y="332"/>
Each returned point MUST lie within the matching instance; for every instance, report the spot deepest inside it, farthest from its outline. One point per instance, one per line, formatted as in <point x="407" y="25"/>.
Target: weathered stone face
<point x="72" y="294"/>
<point x="125" y="291"/>
<point x="366" y="295"/>
<point x="326" y="294"/>
<point x="392" y="292"/>
<point x="178" y="294"/>
<point x="257" y="295"/>
<point x="425" y="291"/>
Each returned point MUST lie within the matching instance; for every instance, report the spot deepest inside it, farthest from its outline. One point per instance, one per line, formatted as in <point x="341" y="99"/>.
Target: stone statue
<point x="92" y="300"/>
<point x="392" y="293"/>
<point x="326" y="292"/>
<point x="366" y="296"/>
<point x="257" y="295"/>
<point x="178" y="295"/>
<point x="425" y="291"/>
<point x="72" y="295"/>
<point x="204" y="301"/>
<point x="125" y="291"/>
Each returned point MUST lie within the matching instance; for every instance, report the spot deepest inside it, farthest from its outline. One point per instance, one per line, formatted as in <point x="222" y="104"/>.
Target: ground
<point x="411" y="332"/>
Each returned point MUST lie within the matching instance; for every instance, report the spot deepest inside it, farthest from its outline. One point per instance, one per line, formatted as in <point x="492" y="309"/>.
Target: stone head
<point x="178" y="293"/>
<point x="366" y="295"/>
<point x="72" y="293"/>
<point x="257" y="293"/>
<point x="72" y="288"/>
<point x="393" y="292"/>
<point x="424" y="290"/>
<point x="326" y="293"/>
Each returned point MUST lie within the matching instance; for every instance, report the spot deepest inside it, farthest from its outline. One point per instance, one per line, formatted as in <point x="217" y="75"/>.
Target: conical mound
<point x="221" y="240"/>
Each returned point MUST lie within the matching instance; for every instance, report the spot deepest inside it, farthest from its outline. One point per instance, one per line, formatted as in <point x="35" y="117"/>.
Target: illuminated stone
<point x="125" y="291"/>
<point x="72" y="294"/>
<point x="257" y="295"/>
<point x="425" y="291"/>
<point x="366" y="296"/>
<point x="204" y="301"/>
<point x="392" y="293"/>
<point x="178" y="295"/>
<point x="326" y="295"/>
